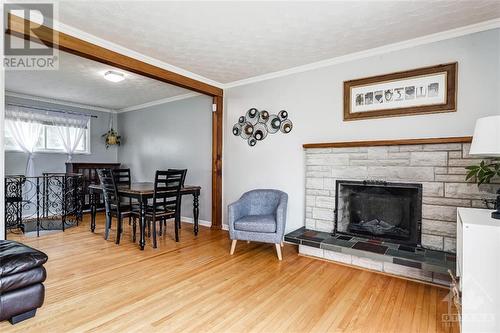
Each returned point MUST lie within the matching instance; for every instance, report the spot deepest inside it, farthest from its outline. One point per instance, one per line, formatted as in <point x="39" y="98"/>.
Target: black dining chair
<point x="183" y="178"/>
<point x="123" y="179"/>
<point x="166" y="201"/>
<point x="114" y="207"/>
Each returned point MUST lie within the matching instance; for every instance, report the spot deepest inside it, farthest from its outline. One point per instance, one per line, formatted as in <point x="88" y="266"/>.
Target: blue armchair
<point x="259" y="216"/>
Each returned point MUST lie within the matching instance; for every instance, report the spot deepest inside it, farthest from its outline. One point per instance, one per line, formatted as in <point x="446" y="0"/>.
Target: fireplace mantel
<point x="401" y="142"/>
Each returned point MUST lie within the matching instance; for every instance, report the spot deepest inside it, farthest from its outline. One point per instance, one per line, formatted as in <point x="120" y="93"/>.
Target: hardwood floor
<point x="94" y="285"/>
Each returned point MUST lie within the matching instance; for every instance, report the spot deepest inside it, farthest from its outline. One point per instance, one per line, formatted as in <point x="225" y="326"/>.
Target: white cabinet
<point x="478" y="269"/>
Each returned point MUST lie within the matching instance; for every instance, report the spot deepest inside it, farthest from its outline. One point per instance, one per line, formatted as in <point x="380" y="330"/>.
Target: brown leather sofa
<point x="21" y="277"/>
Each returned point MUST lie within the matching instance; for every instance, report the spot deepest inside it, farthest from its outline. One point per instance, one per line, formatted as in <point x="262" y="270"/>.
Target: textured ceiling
<point x="228" y="41"/>
<point x="80" y="80"/>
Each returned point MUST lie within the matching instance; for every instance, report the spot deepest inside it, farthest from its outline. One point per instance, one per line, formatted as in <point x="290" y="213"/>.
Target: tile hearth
<point x="417" y="263"/>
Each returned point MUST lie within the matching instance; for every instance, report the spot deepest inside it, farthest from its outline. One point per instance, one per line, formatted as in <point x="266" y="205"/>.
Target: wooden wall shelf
<point x="350" y="144"/>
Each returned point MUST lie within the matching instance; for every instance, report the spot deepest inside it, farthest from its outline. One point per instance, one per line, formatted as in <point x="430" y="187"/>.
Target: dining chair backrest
<point x="109" y="189"/>
<point x="122" y="177"/>
<point x="167" y="189"/>
<point x="184" y="173"/>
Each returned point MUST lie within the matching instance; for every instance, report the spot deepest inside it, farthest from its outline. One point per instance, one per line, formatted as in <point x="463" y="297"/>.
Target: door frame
<point x="56" y="39"/>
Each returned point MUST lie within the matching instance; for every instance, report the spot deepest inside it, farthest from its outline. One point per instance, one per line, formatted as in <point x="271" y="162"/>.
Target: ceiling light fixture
<point x="114" y="76"/>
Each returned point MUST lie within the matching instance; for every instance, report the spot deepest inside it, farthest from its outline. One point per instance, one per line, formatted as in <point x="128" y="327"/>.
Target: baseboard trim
<point x="200" y="221"/>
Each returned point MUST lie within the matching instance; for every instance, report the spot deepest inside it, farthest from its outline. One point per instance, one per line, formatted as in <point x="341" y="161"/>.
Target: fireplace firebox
<point x="379" y="210"/>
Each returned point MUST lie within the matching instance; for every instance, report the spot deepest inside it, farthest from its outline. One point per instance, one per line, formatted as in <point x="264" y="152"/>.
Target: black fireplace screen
<point x="380" y="210"/>
<point x="53" y="201"/>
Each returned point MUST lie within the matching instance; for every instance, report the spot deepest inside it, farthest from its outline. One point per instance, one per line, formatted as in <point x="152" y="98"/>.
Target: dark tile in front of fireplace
<point x="316" y="236"/>
<point x="406" y="248"/>
<point x="416" y="257"/>
<point x="339" y="242"/>
<point x="406" y="254"/>
<point x="312" y="239"/>
<point x="391" y="245"/>
<point x="441" y="267"/>
<point x="296" y="233"/>
<point x="451" y="257"/>
<point x="331" y="247"/>
<point x="407" y="263"/>
<point x="436" y="255"/>
<point x="312" y="244"/>
<point x="292" y="240"/>
<point x="365" y="246"/>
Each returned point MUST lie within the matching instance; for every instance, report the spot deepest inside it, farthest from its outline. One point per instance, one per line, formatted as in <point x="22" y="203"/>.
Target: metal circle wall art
<point x="274" y="123"/>
<point x="255" y="125"/>
<point x="252" y="116"/>
<point x="237" y="129"/>
<point x="283" y="114"/>
<point x="286" y="126"/>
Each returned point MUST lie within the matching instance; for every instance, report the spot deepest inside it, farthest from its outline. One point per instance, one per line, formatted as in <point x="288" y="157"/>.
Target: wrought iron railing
<point x="53" y="201"/>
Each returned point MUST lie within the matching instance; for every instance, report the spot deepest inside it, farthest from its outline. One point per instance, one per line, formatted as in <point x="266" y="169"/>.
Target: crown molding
<point x="436" y="37"/>
<point x="69" y="30"/>
<point x="158" y="102"/>
<point x="57" y="102"/>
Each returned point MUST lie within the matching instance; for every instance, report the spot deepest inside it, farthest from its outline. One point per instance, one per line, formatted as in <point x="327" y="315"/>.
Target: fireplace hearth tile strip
<point x="420" y="263"/>
<point x="366" y="246"/>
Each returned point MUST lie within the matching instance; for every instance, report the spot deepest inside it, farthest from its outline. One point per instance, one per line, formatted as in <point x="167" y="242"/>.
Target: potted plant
<point x="111" y="136"/>
<point x="483" y="173"/>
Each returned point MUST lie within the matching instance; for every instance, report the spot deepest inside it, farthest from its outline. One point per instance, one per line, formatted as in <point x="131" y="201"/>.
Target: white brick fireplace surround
<point x="438" y="166"/>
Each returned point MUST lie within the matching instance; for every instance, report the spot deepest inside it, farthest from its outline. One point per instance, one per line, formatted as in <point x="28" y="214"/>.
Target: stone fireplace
<point x="385" y="211"/>
<point x="438" y="167"/>
<point x="388" y="206"/>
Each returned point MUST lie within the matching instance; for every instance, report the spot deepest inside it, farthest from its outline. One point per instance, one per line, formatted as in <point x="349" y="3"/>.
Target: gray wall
<point x="171" y="135"/>
<point x="15" y="162"/>
<point x="314" y="102"/>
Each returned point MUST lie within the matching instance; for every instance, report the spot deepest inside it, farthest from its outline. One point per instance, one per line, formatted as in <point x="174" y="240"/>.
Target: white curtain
<point x="71" y="128"/>
<point x="26" y="125"/>
<point x="26" y="130"/>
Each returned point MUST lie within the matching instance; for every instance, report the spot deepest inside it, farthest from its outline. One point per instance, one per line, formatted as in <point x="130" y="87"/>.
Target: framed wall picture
<point x="417" y="91"/>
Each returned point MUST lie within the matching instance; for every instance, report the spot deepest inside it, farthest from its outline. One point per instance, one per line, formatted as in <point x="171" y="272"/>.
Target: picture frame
<point x="418" y="91"/>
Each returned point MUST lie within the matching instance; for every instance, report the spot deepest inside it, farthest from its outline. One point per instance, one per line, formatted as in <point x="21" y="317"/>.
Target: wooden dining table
<point x="142" y="192"/>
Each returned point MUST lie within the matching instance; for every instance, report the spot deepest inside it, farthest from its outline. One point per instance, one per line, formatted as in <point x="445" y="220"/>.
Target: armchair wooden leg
<point x="278" y="251"/>
<point x="233" y="246"/>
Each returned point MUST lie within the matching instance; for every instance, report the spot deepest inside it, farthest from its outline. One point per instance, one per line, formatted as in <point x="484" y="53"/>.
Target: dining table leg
<point x="93" y="210"/>
<point x="142" y="206"/>
<point x="196" y="212"/>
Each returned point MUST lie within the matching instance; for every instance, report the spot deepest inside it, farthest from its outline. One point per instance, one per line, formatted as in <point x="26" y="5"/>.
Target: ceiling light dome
<point x="114" y="76"/>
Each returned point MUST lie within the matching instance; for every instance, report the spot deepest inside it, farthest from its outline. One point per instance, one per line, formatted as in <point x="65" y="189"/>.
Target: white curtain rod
<point x="50" y="110"/>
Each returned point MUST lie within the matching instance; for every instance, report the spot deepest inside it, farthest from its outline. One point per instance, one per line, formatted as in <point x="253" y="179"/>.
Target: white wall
<point x="314" y="102"/>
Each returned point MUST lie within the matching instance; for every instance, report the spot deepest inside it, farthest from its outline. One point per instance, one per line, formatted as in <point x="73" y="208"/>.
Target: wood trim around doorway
<point x="51" y="37"/>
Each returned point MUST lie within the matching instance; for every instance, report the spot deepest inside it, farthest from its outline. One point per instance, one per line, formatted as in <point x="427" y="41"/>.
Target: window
<point x="50" y="141"/>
